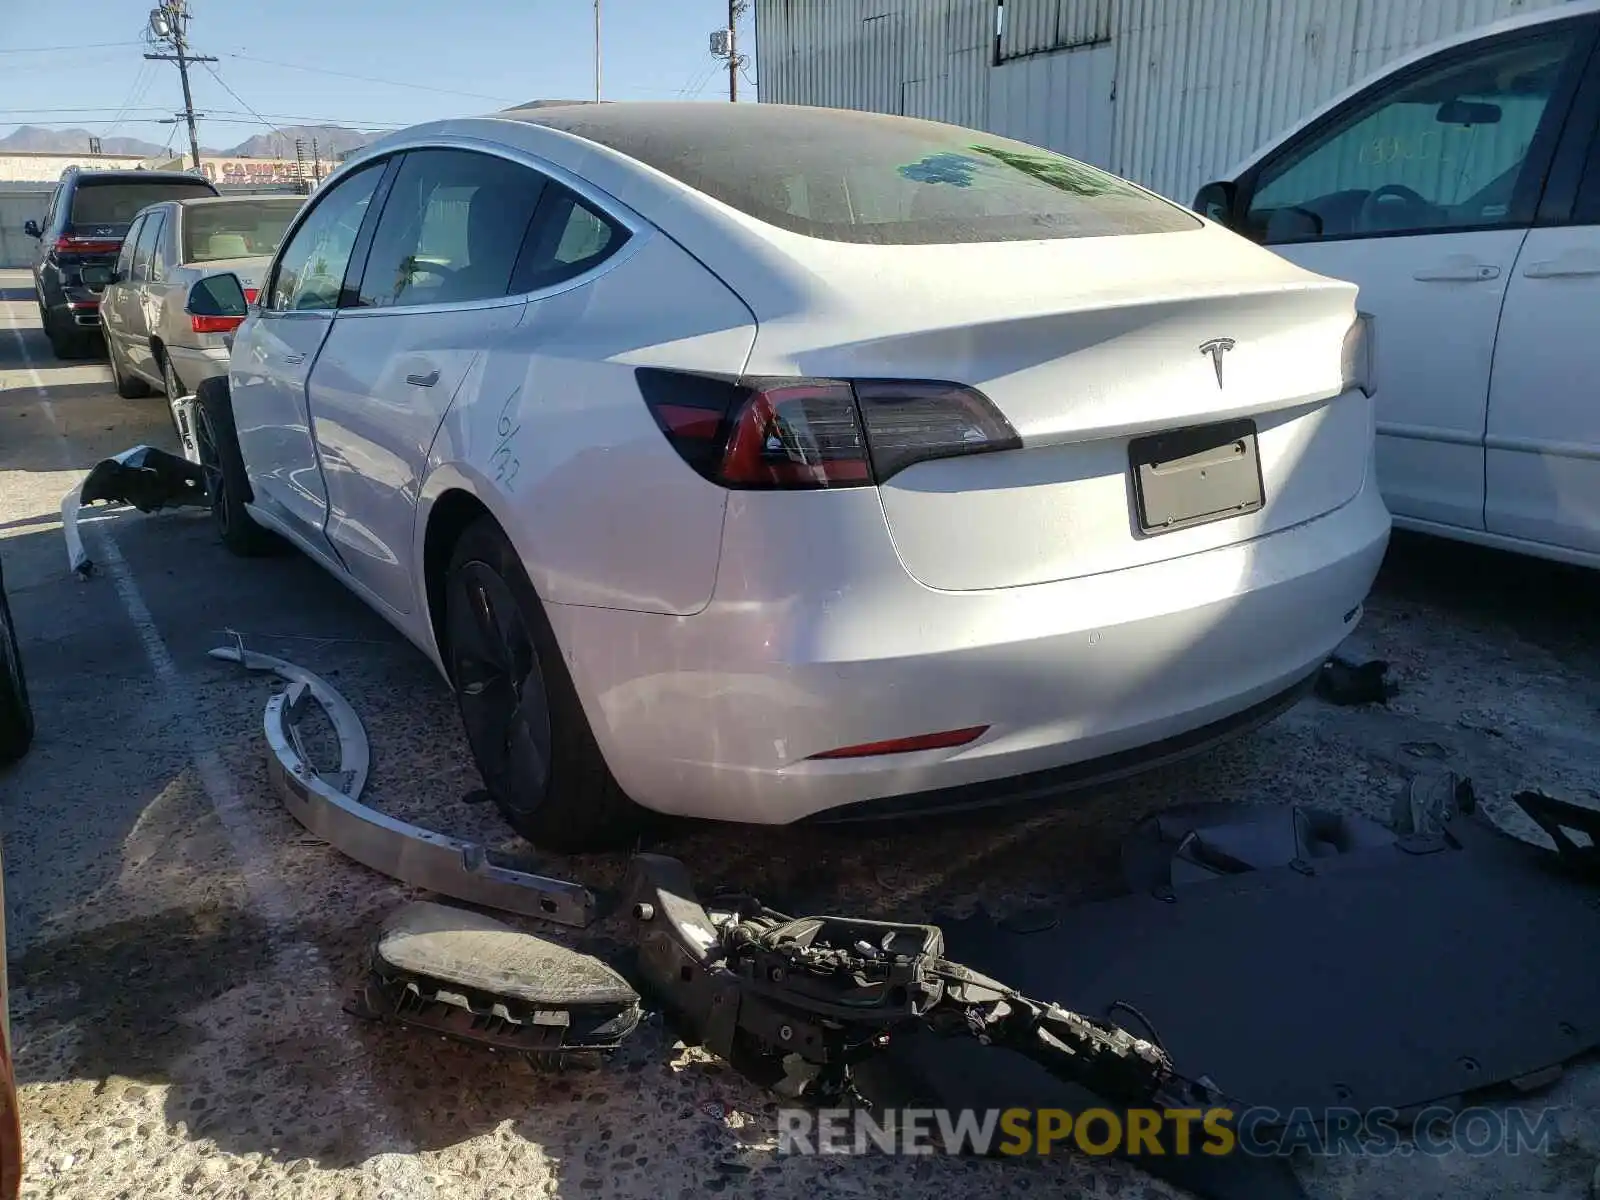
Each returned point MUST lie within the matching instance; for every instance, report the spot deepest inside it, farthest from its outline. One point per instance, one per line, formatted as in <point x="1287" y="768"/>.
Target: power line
<point x="55" y="49"/>
<point x="142" y="83"/>
<point x="410" y="86"/>
<point x="224" y="83"/>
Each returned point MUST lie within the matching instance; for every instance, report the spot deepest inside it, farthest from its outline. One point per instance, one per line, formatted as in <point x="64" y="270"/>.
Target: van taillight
<point x="767" y="433"/>
<point x="81" y="245"/>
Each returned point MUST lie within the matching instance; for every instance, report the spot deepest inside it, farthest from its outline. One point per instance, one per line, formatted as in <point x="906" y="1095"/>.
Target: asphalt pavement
<point x="180" y="950"/>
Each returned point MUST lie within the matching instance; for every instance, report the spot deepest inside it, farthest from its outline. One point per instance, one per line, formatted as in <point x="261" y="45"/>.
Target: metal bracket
<point x="327" y="804"/>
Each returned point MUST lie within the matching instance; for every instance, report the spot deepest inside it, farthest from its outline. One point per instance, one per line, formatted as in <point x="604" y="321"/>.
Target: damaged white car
<point x="772" y="463"/>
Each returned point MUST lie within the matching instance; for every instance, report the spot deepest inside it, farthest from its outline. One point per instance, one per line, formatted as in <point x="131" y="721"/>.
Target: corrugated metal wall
<point x="1167" y="92"/>
<point x="1201" y="85"/>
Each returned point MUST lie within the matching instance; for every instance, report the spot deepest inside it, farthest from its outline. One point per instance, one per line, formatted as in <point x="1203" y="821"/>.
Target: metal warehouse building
<point x="1170" y="93"/>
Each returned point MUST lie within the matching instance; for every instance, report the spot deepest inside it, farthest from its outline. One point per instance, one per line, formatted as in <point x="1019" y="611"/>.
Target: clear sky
<point x="421" y="59"/>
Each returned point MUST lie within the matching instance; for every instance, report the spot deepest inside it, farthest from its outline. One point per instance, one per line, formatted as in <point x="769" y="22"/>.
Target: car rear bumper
<point x="195" y="364"/>
<point x="718" y="715"/>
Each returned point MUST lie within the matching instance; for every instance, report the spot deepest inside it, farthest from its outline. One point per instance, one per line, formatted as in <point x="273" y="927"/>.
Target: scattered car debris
<point x="145" y="477"/>
<point x="1344" y="681"/>
<point x="1356" y="966"/>
<point x="328" y="805"/>
<point x="472" y="978"/>
<point x="1431" y="801"/>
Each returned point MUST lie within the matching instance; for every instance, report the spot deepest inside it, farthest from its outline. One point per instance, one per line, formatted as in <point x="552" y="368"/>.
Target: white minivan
<point x="1460" y="190"/>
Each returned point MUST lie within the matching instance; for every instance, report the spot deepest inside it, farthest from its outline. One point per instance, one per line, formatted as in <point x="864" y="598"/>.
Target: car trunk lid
<point x="1098" y="351"/>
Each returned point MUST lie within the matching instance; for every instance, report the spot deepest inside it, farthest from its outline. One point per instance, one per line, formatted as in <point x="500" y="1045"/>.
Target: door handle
<point x="1566" y="266"/>
<point x="428" y="380"/>
<point x="1458" y="272"/>
<point x="294" y="360"/>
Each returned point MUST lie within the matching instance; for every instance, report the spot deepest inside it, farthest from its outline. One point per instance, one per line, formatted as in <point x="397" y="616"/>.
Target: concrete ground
<point x="180" y="948"/>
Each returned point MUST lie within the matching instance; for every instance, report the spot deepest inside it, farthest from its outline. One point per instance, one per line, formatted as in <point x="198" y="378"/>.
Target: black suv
<point x="88" y="214"/>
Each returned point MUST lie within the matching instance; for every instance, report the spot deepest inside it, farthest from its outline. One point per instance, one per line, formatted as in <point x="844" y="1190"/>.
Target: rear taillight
<point x="250" y="295"/>
<point x="215" y="324"/>
<point x="79" y="245"/>
<point x="768" y="433"/>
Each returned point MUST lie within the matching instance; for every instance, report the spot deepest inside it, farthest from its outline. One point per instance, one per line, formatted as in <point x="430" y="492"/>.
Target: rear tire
<point x="532" y="743"/>
<point x="16" y="711"/>
<point x="129" y="387"/>
<point x="227" y="484"/>
<point x="64" y="345"/>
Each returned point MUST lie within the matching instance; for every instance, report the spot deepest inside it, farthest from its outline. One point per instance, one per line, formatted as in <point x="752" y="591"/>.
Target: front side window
<point x="145" y="247"/>
<point x="1447" y="148"/>
<point x="450" y="229"/>
<point x="311" y="271"/>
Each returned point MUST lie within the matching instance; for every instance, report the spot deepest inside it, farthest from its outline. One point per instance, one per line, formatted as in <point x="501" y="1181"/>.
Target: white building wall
<point x="1170" y="93"/>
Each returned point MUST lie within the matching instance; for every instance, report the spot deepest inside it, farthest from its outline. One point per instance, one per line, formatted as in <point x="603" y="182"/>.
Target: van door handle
<point x="294" y="360"/>
<point x="1566" y="266"/>
<point x="428" y="380"/>
<point x="1458" y="272"/>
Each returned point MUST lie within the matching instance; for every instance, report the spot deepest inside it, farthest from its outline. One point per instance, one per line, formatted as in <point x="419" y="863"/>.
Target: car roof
<point x="125" y="176"/>
<point x="1545" y="16"/>
<point x="257" y="197"/>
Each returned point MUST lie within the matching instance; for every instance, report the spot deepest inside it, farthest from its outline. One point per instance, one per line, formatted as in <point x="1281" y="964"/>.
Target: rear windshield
<point x="865" y="177"/>
<point x="239" y="229"/>
<point x="113" y="202"/>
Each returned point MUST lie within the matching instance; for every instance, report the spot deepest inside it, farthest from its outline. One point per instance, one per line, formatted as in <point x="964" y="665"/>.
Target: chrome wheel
<point x="205" y="444"/>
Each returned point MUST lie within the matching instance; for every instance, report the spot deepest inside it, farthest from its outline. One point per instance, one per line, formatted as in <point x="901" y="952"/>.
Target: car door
<point x="119" y="293"/>
<point x="277" y="348"/>
<point x="134" y="335"/>
<point x="1420" y="190"/>
<point x="1542" y="445"/>
<point x="434" y="296"/>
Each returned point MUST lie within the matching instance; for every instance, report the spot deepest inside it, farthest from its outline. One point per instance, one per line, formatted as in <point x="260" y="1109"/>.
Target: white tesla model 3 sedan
<point x="769" y="463"/>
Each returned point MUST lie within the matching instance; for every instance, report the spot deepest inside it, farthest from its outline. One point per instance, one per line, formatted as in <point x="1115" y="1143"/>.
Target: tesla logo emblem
<point x="1217" y="347"/>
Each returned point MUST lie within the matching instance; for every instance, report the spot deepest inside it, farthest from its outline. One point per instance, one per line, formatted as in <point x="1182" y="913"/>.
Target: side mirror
<point x="94" y="275"/>
<point x="1467" y="112"/>
<point x="218" y="296"/>
<point x="1215" y="201"/>
<point x="31" y="228"/>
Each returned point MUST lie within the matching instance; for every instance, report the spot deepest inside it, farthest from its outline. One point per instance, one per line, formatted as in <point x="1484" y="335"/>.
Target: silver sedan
<point x="154" y="337"/>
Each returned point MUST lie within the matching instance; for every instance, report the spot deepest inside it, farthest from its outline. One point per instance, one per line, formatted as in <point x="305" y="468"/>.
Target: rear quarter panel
<point x="550" y="433"/>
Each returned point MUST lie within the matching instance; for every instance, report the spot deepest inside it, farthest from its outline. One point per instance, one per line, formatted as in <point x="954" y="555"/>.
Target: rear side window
<point x="450" y="229"/>
<point x="145" y="246"/>
<point x="125" y="256"/>
<point x="867" y="177"/>
<point x="568" y="238"/>
<point x="114" y="202"/>
<point x="237" y="229"/>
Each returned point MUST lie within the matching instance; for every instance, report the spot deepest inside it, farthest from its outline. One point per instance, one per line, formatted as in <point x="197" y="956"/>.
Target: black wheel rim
<point x="205" y="445"/>
<point x="499" y="686"/>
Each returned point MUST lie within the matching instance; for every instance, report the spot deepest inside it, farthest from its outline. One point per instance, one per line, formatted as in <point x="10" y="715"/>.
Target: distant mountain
<point x="72" y="141"/>
<point x="332" y="140"/>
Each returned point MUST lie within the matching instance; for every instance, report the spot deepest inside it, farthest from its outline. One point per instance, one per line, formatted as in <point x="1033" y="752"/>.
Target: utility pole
<point x="725" y="44"/>
<point x="597" y="51"/>
<point x="734" y="9"/>
<point x="168" y="23"/>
